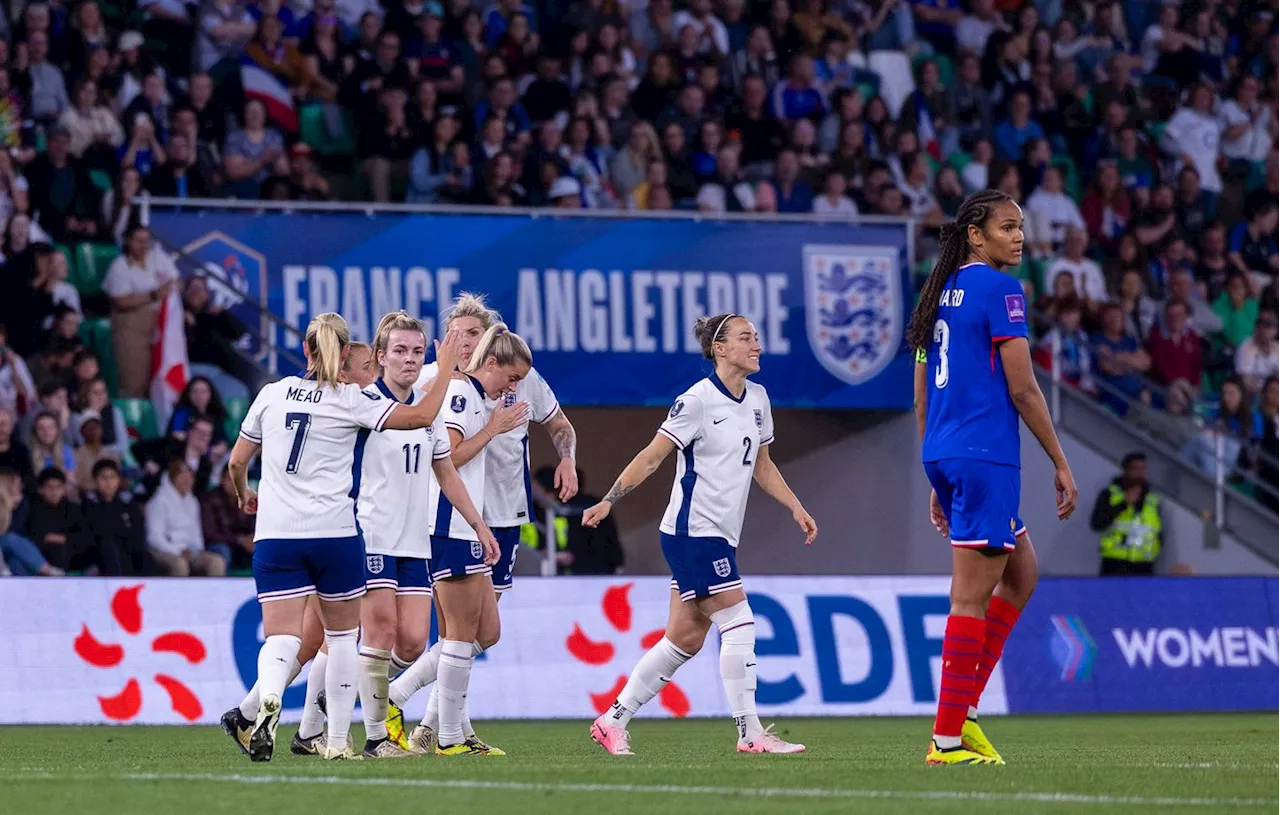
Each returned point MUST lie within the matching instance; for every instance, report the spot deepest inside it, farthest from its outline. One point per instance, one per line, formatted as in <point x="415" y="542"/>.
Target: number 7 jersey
<point x="969" y="412"/>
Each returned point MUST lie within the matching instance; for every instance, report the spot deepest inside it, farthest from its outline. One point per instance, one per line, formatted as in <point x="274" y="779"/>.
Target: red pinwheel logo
<point x="616" y="606"/>
<point x="126" y="704"/>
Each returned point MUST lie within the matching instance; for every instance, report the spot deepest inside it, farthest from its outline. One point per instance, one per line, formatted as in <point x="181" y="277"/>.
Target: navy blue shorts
<point x="452" y="557"/>
<point x="980" y="500"/>
<point x="285" y="568"/>
<point x="701" y="567"/>
<point x="508" y="538"/>
<point x="407" y="575"/>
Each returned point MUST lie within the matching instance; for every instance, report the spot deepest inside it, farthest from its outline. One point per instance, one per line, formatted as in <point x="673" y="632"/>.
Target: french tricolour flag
<point x="261" y="84"/>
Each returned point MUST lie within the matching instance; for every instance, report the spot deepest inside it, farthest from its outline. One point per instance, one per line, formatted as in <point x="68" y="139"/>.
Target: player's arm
<point x="633" y="475"/>
<point x="1027" y="397"/>
<point x="238" y="465"/>
<point x="466" y="449"/>
<point x="920" y="389"/>
<point x="423" y="412"/>
<point x="565" y="439"/>
<point x="456" y="491"/>
<point x="770" y="479"/>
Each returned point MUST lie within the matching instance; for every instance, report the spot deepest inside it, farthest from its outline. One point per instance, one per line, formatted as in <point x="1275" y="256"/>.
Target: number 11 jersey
<point x="970" y="414"/>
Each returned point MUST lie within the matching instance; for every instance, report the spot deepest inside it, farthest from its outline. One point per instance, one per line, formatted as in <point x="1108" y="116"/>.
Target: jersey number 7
<point x="303" y="423"/>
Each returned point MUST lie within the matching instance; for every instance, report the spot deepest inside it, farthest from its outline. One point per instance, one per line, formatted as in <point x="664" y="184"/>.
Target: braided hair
<point x="953" y="250"/>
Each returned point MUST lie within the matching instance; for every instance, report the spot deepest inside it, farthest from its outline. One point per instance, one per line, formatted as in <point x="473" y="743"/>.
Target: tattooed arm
<point x="635" y="473"/>
<point x="565" y="439"/>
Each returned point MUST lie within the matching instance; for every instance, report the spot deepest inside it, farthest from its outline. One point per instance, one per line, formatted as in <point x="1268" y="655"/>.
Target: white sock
<point x="249" y="705"/>
<point x="416" y="677"/>
<point x="738" y="666"/>
<point x="373" y="691"/>
<point x="397" y="666"/>
<point x="946" y="742"/>
<point x="455" y="676"/>
<point x="312" y="723"/>
<point x="276" y="657"/>
<point x="340" y="681"/>
<point x="648" y="678"/>
<point x="972" y="714"/>
<point x="432" y="719"/>
<point x="467" y="729"/>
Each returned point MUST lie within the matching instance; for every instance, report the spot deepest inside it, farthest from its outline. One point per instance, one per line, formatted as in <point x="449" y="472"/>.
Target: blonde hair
<point x="505" y="347"/>
<point x="327" y="335"/>
<point x="352" y="347"/>
<point x="472" y="305"/>
<point x="393" y="321"/>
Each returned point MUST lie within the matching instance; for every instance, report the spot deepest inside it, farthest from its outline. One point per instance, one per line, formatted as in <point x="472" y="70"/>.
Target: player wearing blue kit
<point x="973" y="380"/>
<point x="306" y="538"/>
<point x="723" y="427"/>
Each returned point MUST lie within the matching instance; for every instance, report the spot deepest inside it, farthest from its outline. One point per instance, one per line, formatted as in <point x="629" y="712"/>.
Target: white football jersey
<point x="508" y="496"/>
<point x="308" y="433"/>
<point x="391" y="488"/>
<point x="719" y="438"/>
<point x="464" y="411"/>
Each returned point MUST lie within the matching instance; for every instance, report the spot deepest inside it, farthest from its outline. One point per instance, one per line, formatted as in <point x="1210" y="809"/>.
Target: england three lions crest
<point x="853" y="308"/>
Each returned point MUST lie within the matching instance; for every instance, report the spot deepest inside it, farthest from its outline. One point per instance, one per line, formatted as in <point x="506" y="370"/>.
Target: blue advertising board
<point x="1092" y="645"/>
<point x="607" y="305"/>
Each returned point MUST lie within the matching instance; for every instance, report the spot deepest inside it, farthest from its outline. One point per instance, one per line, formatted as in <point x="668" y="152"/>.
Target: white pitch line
<point x="669" y="789"/>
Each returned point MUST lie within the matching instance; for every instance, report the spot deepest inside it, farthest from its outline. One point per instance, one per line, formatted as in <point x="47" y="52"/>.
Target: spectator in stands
<point x="17" y="388"/>
<point x="43" y="82"/>
<point x="92" y="448"/>
<point x="1174" y="347"/>
<point x="55" y="402"/>
<point x="800" y="96"/>
<point x="1127" y="514"/>
<point x="1074" y="356"/>
<point x="1120" y="361"/>
<point x="61" y="292"/>
<point x="212" y="333"/>
<point x="386" y="143"/>
<point x="1063" y="291"/>
<point x="1018" y="129"/>
<point x="727" y="190"/>
<point x="15" y="456"/>
<point x="224" y="524"/>
<point x="95" y="131"/>
<point x="178" y="176"/>
<point x="136" y="282"/>
<point x="61" y="193"/>
<point x="793" y="193"/>
<point x="174" y="536"/>
<point x="115" y="525"/>
<point x="1267" y="473"/>
<point x="579" y="551"/>
<point x="225" y="28"/>
<point x="118" y="210"/>
<point x="279" y="57"/>
<point x="1212" y="266"/>
<point x="93" y="398"/>
<point x="1253" y="244"/>
<point x="18" y="555"/>
<point x="199" y="398"/>
<point x="1237" y="310"/>
<point x="199" y="451"/>
<point x="1247" y="124"/>
<point x="1140" y="311"/>
<point x="54" y="523"/>
<point x="1090" y="285"/>
<point x="49" y="450"/>
<point x="1256" y="357"/>
<point x="1192" y="136"/>
<point x="254" y="152"/>
<point x="1203" y="319"/>
<point x="833" y="203"/>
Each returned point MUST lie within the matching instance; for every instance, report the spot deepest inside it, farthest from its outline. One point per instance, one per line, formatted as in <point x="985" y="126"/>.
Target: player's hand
<point x="507" y="418"/>
<point x="449" y="351"/>
<point x="490" y="544"/>
<point x="807" y="525"/>
<point x="249" y="502"/>
<point x="593" y="516"/>
<point x="566" y="482"/>
<point x="937" y="516"/>
<point x="1067" y="492"/>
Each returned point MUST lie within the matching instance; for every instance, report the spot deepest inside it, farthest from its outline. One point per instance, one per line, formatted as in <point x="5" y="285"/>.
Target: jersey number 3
<point x="302" y="421"/>
<point x="942" y="336"/>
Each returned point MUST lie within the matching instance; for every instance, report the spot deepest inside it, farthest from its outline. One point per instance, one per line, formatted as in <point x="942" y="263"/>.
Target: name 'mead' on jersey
<point x="391" y="487"/>
<point x="308" y="433"/>
<point x="463" y="411"/>
<point x="969" y="411"/>
<point x="719" y="438"/>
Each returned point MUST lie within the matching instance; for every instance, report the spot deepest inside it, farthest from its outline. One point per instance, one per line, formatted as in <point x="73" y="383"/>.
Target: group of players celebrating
<point x="357" y="535"/>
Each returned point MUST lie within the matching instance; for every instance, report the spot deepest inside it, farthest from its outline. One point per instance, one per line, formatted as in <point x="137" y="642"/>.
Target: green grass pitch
<point x="1077" y="764"/>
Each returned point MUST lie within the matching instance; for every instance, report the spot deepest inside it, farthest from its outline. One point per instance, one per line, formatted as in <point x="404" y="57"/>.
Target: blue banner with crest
<point x="607" y="305"/>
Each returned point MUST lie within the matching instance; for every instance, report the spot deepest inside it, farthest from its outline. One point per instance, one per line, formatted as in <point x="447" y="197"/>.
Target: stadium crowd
<point x="1140" y="136"/>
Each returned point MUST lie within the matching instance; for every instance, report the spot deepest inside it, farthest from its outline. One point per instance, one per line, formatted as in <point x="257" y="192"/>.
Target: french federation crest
<point x="853" y="308"/>
<point x="373" y="563"/>
<point x="236" y="274"/>
<point x="722" y="567"/>
<point x="477" y="550"/>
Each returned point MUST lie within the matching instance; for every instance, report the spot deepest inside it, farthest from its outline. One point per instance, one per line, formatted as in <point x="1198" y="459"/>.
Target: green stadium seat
<point x="95" y="332"/>
<point x="959" y="159"/>
<point x="236" y="410"/>
<point x="101" y="179"/>
<point x="69" y="254"/>
<point x="93" y="261"/>
<point x="313" y="131"/>
<point x="140" y="416"/>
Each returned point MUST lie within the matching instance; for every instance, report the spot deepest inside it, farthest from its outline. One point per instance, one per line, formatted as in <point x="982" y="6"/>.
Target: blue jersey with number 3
<point x="970" y="414"/>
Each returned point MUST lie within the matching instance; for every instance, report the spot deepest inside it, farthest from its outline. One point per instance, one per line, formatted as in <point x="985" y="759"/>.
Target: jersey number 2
<point x="942" y="336"/>
<point x="417" y="452"/>
<point x="303" y="423"/>
<point x="746" y="453"/>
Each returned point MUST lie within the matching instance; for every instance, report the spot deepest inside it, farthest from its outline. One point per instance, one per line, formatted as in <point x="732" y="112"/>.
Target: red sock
<point x="1001" y="617"/>
<point x="961" y="649"/>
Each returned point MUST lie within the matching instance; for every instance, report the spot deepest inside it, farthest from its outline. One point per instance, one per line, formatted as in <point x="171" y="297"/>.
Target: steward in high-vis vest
<point x="1127" y="515"/>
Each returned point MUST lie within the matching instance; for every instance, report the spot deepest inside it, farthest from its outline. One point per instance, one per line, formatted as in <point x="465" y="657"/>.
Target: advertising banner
<point x="607" y="305"/>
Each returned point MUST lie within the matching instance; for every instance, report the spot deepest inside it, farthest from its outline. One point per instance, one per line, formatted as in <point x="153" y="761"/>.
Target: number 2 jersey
<point x="969" y="412"/>
<point x="308" y="433"/>
<point x="391" y="486"/>
<point x="719" y="438"/>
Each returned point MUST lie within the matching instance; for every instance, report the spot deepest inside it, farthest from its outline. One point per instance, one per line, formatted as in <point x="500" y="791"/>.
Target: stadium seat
<point x="236" y="410"/>
<point x="140" y="416"/>
<point x="897" y="82"/>
<point x="314" y="131"/>
<point x="69" y="254"/>
<point x="95" y="332"/>
<point x="94" y="259"/>
<point x="959" y="159"/>
<point x="101" y="179"/>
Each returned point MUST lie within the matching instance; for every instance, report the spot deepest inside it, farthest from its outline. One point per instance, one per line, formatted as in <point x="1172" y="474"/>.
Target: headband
<point x="726" y="319"/>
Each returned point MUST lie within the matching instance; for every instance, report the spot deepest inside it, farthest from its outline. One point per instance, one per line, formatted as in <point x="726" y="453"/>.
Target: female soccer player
<point x="357" y="369"/>
<point x="723" y="425"/>
<point x="307" y="540"/>
<point x="973" y="379"/>
<point x="508" y="502"/>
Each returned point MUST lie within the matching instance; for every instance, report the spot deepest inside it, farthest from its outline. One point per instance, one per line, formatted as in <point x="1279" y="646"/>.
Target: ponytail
<point x="327" y="336"/>
<point x="472" y="305"/>
<point x="953" y="250"/>
<point x="393" y="321"/>
<point x="504" y="346"/>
